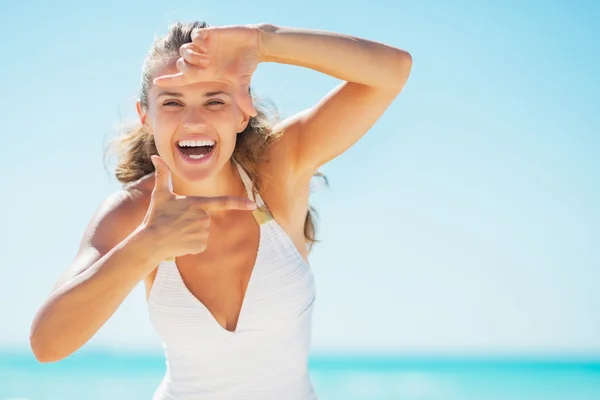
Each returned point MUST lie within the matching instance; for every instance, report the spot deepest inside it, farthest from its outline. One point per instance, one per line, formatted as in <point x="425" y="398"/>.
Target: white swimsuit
<point x="266" y="357"/>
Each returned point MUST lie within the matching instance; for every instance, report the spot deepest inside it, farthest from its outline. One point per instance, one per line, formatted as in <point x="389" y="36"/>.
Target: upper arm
<point x="115" y="218"/>
<point x="315" y="136"/>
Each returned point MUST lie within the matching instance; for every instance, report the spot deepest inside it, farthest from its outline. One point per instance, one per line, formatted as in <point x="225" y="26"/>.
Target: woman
<point x="213" y="215"/>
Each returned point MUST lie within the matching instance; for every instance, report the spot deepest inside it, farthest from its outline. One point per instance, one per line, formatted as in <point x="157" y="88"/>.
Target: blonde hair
<point x="135" y="146"/>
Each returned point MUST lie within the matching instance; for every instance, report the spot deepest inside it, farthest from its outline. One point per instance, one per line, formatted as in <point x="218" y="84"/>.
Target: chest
<point x="219" y="277"/>
<point x="252" y="273"/>
<point x="273" y="290"/>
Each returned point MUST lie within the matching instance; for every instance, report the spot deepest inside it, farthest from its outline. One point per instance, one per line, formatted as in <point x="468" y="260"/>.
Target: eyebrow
<point x="207" y="94"/>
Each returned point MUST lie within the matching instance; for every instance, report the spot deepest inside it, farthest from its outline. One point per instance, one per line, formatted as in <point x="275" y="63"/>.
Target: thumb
<point x="162" y="175"/>
<point x="178" y="79"/>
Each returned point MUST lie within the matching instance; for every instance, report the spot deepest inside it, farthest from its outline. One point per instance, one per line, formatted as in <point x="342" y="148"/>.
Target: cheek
<point x="163" y="127"/>
<point x="227" y="129"/>
<point x="162" y="119"/>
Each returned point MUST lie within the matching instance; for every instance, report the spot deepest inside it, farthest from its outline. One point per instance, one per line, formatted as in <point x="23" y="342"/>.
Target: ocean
<point x="113" y="376"/>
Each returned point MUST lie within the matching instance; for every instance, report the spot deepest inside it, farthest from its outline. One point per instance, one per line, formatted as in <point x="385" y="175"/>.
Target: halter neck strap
<point x="249" y="187"/>
<point x="262" y="213"/>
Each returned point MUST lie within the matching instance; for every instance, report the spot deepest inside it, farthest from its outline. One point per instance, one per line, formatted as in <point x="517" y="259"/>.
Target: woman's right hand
<point x="180" y="224"/>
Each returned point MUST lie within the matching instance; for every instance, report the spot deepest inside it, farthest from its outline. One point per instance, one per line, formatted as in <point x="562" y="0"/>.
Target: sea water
<point x="113" y="376"/>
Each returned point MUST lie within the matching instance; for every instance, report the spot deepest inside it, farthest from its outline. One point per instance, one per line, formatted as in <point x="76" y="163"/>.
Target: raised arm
<point x="373" y="74"/>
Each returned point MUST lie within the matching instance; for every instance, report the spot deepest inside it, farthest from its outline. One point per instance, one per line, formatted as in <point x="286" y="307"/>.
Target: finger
<point x="192" y="73"/>
<point x="225" y="203"/>
<point x="181" y="78"/>
<point x="199" y="48"/>
<point x="194" y="58"/>
<point x="190" y="47"/>
<point x="200" y="34"/>
<point x="178" y="79"/>
<point x="200" y="40"/>
<point x="162" y="175"/>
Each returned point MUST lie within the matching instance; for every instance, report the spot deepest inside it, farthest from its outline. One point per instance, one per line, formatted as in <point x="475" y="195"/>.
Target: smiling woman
<point x="137" y="144"/>
<point x="214" y="216"/>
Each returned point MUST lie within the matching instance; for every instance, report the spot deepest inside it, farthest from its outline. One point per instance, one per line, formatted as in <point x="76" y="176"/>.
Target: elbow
<point x="393" y="75"/>
<point x="404" y="62"/>
<point x="45" y="358"/>
<point x="43" y="348"/>
<point x="42" y="352"/>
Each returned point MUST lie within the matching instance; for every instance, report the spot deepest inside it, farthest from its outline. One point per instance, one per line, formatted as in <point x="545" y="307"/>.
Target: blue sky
<point x="466" y="221"/>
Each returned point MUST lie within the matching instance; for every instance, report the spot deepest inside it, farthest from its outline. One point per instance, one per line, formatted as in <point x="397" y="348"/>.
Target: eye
<point x="215" y="103"/>
<point x="172" y="103"/>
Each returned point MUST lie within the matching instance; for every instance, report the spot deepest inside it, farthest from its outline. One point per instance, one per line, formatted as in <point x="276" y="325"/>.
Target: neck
<point x="226" y="182"/>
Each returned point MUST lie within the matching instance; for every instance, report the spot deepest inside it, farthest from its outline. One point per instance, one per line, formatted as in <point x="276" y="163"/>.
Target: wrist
<point x="145" y="240"/>
<point x="266" y="33"/>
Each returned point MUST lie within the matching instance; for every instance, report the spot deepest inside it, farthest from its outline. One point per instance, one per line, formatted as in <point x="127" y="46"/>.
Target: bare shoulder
<point x="119" y="214"/>
<point x="116" y="217"/>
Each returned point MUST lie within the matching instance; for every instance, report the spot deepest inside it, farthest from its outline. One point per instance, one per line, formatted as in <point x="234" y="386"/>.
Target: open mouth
<point x="196" y="149"/>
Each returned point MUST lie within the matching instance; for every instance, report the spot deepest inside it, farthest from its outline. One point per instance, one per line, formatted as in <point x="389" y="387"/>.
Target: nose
<point x="194" y="120"/>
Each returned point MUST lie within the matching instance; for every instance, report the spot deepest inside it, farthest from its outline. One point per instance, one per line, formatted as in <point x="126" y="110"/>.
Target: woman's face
<point x="195" y="126"/>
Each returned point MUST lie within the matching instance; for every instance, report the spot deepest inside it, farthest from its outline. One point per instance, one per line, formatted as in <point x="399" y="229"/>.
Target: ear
<point x="243" y="123"/>
<point x="142" y="114"/>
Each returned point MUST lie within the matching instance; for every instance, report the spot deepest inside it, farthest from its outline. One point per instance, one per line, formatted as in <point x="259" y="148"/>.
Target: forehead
<point x="196" y="88"/>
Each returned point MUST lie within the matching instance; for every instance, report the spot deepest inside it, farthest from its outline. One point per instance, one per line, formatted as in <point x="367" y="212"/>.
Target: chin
<point x="198" y="170"/>
<point x="195" y="176"/>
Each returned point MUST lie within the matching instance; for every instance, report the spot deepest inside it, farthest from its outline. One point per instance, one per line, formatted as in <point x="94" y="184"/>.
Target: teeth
<point x="196" y="156"/>
<point x="195" y="143"/>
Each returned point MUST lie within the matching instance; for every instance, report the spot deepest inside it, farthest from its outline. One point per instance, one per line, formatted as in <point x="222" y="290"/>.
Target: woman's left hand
<point x="228" y="54"/>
